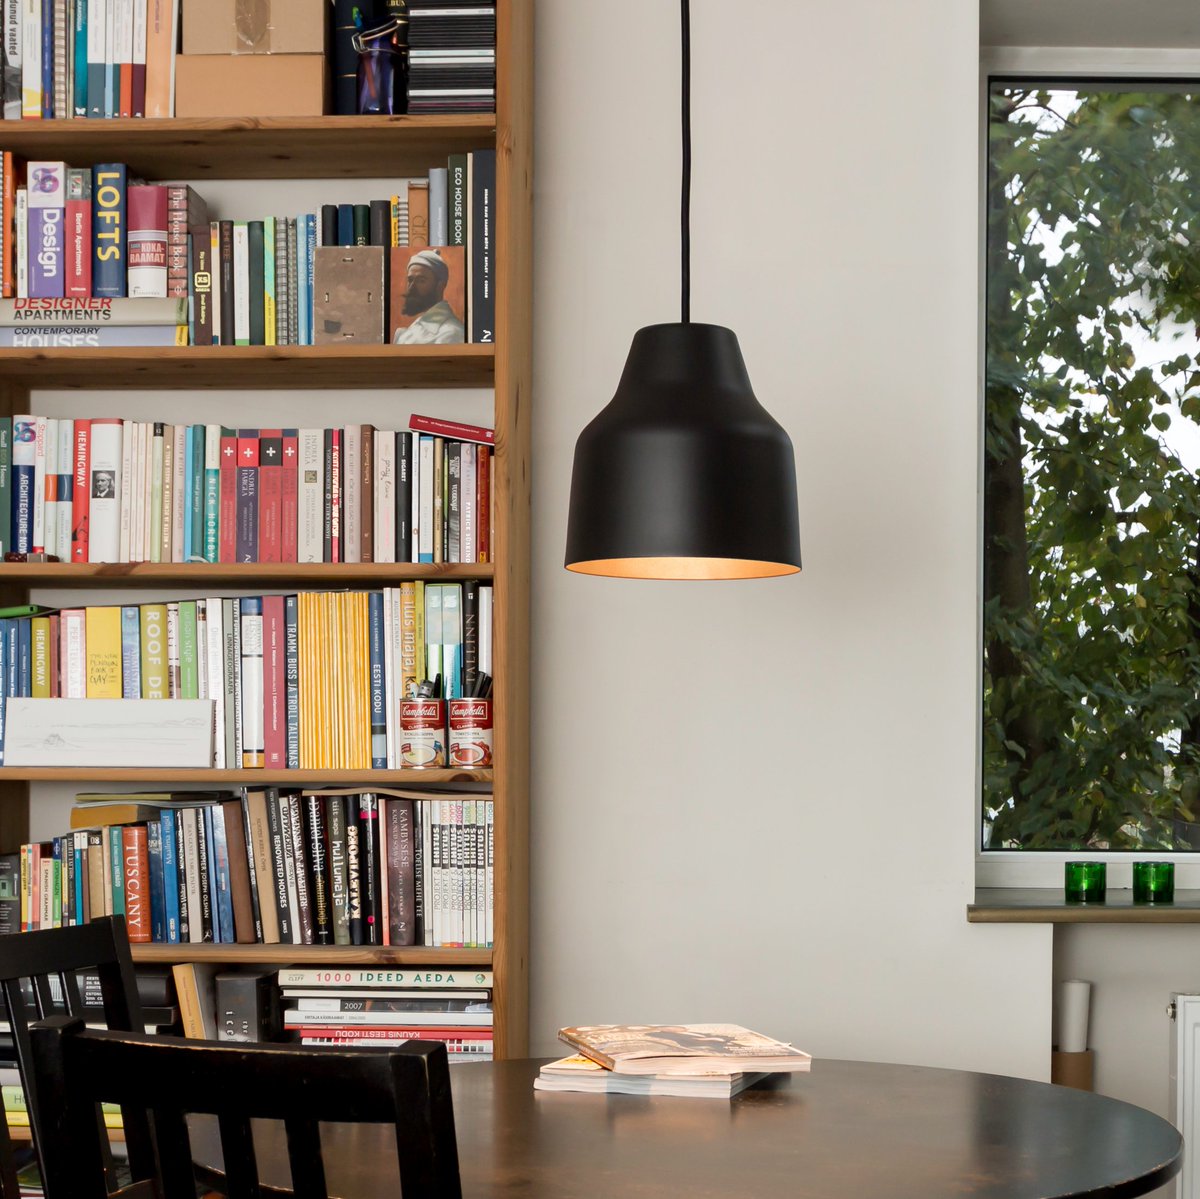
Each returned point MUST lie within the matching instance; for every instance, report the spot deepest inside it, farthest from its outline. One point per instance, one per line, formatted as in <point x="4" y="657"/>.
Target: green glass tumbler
<point x="1085" y="882"/>
<point x="1154" y="882"/>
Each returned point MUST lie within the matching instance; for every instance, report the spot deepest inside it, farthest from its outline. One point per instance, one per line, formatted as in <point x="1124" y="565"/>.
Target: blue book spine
<point x="206" y="814"/>
<point x="131" y="653"/>
<point x="310" y="246"/>
<point x="220" y="872"/>
<point x="79" y="852"/>
<point x="291" y="650"/>
<point x="117" y="853"/>
<point x="189" y="435"/>
<point x="12" y="659"/>
<point x="170" y="875"/>
<point x="48" y="61"/>
<point x="23" y="463"/>
<point x="59" y="875"/>
<point x="196" y="493"/>
<point x="345" y="224"/>
<point x="25" y="661"/>
<point x="154" y="852"/>
<point x="5" y="626"/>
<point x="80" y="99"/>
<point x="378" y="683"/>
<point x="303" y="308"/>
<point x="109" y="229"/>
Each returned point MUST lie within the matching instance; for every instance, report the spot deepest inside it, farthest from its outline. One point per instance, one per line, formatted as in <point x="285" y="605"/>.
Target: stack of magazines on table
<point x="699" y="1060"/>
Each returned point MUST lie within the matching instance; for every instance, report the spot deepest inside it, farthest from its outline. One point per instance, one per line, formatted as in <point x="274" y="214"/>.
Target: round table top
<point x="845" y="1131"/>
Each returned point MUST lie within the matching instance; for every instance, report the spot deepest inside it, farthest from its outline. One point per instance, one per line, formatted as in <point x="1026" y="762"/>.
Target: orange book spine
<point x="137" y="882"/>
<point x="161" y="18"/>
<point x="8" y="207"/>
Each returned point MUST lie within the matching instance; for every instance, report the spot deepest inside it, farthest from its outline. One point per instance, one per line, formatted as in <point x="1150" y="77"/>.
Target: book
<point x="247" y="1004"/>
<point x="453" y="430"/>
<point x="580" y="1073"/>
<point x="109" y="229"/>
<point x="428" y="295"/>
<point x="383" y="977"/>
<point x="672" y="1049"/>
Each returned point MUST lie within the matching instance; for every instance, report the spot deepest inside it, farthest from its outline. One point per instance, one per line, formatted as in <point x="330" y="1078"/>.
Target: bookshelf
<point x="329" y="148"/>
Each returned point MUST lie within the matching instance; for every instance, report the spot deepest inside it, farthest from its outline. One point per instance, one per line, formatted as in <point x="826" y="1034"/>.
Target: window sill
<point x="1046" y="905"/>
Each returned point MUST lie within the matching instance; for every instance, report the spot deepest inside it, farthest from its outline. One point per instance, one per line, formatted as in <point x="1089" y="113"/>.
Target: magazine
<point x="582" y="1074"/>
<point x="683" y="1049"/>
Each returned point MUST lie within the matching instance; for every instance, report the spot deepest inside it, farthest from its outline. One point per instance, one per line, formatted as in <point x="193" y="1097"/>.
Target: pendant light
<point x="684" y="475"/>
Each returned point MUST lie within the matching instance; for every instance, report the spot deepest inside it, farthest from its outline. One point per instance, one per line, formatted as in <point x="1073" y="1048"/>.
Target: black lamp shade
<point x="684" y="475"/>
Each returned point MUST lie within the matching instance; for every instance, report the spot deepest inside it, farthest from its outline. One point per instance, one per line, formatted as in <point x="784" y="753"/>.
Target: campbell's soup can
<point x="471" y="733"/>
<point x="422" y="732"/>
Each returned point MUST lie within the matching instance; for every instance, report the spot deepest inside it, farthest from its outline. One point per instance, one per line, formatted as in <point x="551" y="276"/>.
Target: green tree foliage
<point x="1091" y="732"/>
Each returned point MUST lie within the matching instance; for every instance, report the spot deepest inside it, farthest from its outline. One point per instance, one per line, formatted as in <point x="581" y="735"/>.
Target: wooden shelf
<point x="152" y="778"/>
<point x="1046" y="905"/>
<point x="316" y="955"/>
<point x="257" y="147"/>
<point x="261" y="367"/>
<point x="257" y="576"/>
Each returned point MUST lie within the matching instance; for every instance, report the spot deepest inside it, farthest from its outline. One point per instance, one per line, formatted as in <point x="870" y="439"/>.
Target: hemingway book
<point x="684" y="1049"/>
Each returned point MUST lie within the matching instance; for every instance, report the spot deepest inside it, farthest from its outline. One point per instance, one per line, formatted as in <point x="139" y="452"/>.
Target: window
<point x="1091" y="505"/>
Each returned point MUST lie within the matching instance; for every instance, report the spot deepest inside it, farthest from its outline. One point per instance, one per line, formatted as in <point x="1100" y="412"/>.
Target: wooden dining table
<point x="847" y="1130"/>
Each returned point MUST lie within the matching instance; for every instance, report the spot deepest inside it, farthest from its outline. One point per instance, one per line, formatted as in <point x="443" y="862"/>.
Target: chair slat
<point x="8" y="1172"/>
<point x="304" y="1157"/>
<point x="237" y="1150"/>
<point x="176" y="1176"/>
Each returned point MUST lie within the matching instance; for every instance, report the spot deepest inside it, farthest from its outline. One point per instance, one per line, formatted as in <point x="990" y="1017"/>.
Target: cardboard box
<point x="255" y="26"/>
<point x="1073" y="1069"/>
<point x="250" y="85"/>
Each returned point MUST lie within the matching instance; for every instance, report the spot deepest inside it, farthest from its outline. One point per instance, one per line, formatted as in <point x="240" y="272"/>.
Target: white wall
<point x="753" y="801"/>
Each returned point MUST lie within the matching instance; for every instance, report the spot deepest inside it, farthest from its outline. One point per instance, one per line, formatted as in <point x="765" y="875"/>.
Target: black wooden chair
<point x="39" y="978"/>
<point x="76" y="1068"/>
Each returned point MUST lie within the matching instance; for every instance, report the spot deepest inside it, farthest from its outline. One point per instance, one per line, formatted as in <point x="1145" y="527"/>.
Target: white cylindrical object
<point x="1073" y="997"/>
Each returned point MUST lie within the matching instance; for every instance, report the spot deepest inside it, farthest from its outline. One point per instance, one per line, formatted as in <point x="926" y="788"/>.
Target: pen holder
<point x="423" y="732"/>
<point x="1154" y="882"/>
<point x="1085" y="882"/>
<point x="471" y="733"/>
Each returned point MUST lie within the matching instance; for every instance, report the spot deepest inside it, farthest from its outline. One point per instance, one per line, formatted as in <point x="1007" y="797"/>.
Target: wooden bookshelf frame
<point x="331" y="147"/>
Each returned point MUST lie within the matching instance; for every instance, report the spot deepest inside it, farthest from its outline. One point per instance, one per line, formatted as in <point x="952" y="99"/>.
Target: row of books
<point x="88" y="58"/>
<point x="382" y="1006"/>
<point x="311" y="681"/>
<point x="112" y="490"/>
<point x="94" y="233"/>
<point x="451" y="57"/>
<point x="320" y="867"/>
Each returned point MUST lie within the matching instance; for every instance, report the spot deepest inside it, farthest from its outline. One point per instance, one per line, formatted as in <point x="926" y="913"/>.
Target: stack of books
<point x="692" y="1060"/>
<point x="328" y="866"/>
<point x="382" y="1006"/>
<point x="451" y="56"/>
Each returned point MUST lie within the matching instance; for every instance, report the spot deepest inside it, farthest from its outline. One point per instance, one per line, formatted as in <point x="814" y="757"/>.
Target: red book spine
<point x="483" y="504"/>
<point x="125" y="71"/>
<point x="246" y="548"/>
<point x="177" y="239"/>
<point x="227" y="499"/>
<point x="395" y="1032"/>
<point x="335" y="525"/>
<point x="79" y="491"/>
<point x="270" y="495"/>
<point x="8" y="212"/>
<point x="147" y="211"/>
<point x="78" y="280"/>
<point x="452" y="429"/>
<point x="137" y="882"/>
<point x="274" y="684"/>
<point x="289" y="506"/>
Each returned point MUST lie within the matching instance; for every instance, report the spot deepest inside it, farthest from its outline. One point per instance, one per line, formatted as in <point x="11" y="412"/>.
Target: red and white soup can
<point x="422" y="732"/>
<point x="471" y="733"/>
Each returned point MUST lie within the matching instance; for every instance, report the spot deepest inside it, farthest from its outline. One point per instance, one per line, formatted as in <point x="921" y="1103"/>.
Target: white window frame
<point x="1044" y="868"/>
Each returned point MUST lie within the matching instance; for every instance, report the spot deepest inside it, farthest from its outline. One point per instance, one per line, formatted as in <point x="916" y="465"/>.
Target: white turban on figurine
<point x="433" y="261"/>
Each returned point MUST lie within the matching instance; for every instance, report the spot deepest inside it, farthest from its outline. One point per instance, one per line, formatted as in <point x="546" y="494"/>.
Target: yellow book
<point x="303" y="641"/>
<point x="103" y="643"/>
<point x="40" y="633"/>
<point x="360" y="681"/>
<point x="154" y="650"/>
<point x="338" y="747"/>
<point x="21" y="1119"/>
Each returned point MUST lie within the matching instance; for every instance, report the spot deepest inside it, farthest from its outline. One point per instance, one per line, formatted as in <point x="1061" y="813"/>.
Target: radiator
<point x="1185" y="1087"/>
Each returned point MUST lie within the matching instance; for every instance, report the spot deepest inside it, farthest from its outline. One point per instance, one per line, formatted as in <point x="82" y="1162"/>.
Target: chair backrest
<point x="38" y="979"/>
<point x="407" y="1086"/>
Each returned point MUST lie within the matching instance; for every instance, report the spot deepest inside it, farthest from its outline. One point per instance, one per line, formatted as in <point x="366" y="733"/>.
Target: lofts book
<point x="417" y="267"/>
<point x="672" y="1049"/>
<point x="309" y="681"/>
<point x="271" y="866"/>
<point x="112" y="490"/>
